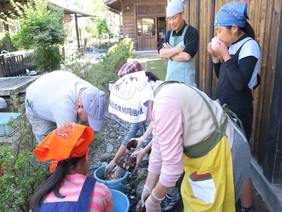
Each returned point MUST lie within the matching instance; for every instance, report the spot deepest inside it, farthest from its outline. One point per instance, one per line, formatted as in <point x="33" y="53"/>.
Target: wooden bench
<point x="13" y="86"/>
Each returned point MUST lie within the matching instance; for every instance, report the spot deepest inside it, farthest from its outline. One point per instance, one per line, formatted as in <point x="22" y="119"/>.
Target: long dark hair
<point x="53" y="182"/>
<point x="248" y="29"/>
<point x="151" y="76"/>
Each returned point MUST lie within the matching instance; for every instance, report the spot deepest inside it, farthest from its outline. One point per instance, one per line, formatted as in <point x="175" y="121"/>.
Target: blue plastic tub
<point x="121" y="202"/>
<point x="119" y="184"/>
<point x="5" y="117"/>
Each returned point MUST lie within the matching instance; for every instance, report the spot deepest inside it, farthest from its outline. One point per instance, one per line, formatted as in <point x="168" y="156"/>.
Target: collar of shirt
<point x="180" y="32"/>
<point x="241" y="38"/>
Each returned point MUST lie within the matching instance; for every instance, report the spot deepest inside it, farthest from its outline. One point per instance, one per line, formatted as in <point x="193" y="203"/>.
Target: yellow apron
<point x="208" y="183"/>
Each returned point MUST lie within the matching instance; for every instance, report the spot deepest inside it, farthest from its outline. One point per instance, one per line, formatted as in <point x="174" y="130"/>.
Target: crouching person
<point x="68" y="186"/>
<point x="194" y="134"/>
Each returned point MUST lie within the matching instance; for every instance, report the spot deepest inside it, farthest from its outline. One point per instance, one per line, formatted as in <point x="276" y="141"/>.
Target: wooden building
<point x="142" y="20"/>
<point x="265" y="17"/>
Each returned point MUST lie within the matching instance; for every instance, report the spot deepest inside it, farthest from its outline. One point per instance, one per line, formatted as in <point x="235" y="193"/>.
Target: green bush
<point x="41" y="29"/>
<point x="48" y="58"/>
<point x="107" y="69"/>
<point x="23" y="173"/>
<point x="3" y="43"/>
<point x="99" y="74"/>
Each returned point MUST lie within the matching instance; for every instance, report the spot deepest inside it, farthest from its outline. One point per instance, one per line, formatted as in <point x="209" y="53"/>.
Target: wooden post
<point x="77" y="32"/>
<point x="210" y="79"/>
<point x="8" y="39"/>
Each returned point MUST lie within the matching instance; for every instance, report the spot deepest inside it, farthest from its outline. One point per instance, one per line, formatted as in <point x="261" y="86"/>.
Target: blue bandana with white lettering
<point x="232" y="13"/>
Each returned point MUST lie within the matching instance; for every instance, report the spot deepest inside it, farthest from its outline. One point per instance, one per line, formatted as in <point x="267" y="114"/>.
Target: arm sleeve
<point x="240" y="75"/>
<point x="167" y="152"/>
<point x="217" y="68"/>
<point x="191" y="41"/>
<point x="165" y="40"/>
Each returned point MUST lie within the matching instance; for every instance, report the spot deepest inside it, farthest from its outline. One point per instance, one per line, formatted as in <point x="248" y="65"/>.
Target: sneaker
<point x="170" y="201"/>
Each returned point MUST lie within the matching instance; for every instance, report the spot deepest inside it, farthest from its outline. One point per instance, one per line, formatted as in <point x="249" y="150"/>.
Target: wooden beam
<point x="77" y="32"/>
<point x="8" y="39"/>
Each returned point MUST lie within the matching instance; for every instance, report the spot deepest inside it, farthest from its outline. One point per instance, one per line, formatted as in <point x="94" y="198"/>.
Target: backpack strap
<point x="239" y="50"/>
<point x="237" y="55"/>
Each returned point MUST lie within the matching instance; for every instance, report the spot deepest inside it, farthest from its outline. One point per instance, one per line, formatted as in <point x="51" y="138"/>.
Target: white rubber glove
<point x="139" y="153"/>
<point x="117" y="172"/>
<point x="152" y="206"/>
<point x="139" y="140"/>
<point x="109" y="168"/>
<point x="145" y="194"/>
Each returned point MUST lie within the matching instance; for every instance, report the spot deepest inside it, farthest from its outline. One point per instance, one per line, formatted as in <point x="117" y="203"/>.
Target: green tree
<point x="102" y="28"/>
<point x="41" y="29"/>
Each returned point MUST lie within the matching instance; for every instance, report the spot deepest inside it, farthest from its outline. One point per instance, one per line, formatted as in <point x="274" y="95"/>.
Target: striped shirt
<point x="71" y="188"/>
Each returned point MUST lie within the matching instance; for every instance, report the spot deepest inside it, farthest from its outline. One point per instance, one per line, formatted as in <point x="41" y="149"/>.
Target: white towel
<point x="129" y="97"/>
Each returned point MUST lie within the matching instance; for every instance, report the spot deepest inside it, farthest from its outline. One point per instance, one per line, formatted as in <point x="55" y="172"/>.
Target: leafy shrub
<point x="99" y="74"/>
<point x="108" y="68"/>
<point x="23" y="173"/>
<point x="48" y="58"/>
<point x="3" y="43"/>
<point x="80" y="67"/>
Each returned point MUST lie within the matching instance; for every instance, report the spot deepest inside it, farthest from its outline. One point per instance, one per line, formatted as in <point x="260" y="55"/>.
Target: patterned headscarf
<point x="67" y="141"/>
<point x="232" y="13"/>
<point x="130" y="67"/>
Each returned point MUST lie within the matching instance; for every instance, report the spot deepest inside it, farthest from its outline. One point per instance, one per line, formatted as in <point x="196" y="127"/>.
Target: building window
<point x="146" y="27"/>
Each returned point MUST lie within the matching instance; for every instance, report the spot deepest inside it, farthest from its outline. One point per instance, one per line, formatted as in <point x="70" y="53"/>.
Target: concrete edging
<point x="271" y="194"/>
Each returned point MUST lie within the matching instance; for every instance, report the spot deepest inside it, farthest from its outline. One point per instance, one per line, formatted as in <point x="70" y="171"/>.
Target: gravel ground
<point x="109" y="141"/>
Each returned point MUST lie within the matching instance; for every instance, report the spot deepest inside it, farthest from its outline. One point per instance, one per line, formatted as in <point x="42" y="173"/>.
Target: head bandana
<point x="130" y="67"/>
<point x="232" y="13"/>
<point x="174" y="7"/>
<point x="129" y="97"/>
<point x="67" y="141"/>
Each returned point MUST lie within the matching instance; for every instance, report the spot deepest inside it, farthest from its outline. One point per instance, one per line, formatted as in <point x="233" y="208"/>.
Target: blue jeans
<point x="136" y="130"/>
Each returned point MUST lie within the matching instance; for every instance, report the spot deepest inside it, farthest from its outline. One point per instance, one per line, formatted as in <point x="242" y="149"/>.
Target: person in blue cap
<point x="180" y="45"/>
<point x="236" y="58"/>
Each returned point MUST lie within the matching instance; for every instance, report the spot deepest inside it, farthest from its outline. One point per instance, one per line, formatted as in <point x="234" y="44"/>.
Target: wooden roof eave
<point x="114" y="5"/>
<point x="71" y="10"/>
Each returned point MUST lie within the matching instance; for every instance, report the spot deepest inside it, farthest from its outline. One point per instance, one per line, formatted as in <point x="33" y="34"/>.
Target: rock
<point x="142" y="173"/>
<point x="105" y="157"/>
<point x="113" y="141"/>
<point x="112" y="135"/>
<point x="109" y="148"/>
<point x="139" y="189"/>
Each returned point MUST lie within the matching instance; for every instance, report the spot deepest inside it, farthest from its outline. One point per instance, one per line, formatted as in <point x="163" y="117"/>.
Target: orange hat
<point x="67" y="141"/>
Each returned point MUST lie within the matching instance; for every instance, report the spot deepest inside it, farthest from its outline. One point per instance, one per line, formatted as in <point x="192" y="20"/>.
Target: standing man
<point x="59" y="97"/>
<point x="180" y="45"/>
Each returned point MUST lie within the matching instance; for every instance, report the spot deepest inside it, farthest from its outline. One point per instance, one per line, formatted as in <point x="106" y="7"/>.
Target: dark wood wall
<point x="265" y="19"/>
<point x="151" y="8"/>
<point x="273" y="152"/>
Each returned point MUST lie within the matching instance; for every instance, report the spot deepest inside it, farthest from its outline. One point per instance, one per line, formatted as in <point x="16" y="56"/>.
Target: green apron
<point x="182" y="71"/>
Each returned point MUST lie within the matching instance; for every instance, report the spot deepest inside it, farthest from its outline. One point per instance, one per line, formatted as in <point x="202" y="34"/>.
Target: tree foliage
<point x="41" y="29"/>
<point x="40" y="25"/>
